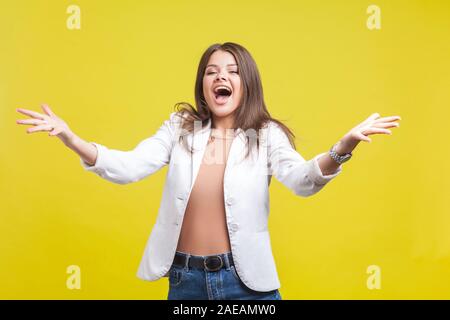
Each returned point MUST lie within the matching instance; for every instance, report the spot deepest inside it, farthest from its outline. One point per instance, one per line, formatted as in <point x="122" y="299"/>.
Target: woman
<point x="211" y="235"/>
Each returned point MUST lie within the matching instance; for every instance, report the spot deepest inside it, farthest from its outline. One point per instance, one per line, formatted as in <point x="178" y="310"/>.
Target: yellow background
<point x="116" y="80"/>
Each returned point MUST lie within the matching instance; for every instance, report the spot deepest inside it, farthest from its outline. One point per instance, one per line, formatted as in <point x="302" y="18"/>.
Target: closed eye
<point x="230" y="72"/>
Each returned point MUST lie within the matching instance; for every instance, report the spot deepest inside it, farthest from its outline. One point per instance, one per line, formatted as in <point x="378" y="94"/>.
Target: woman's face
<point x="222" y="84"/>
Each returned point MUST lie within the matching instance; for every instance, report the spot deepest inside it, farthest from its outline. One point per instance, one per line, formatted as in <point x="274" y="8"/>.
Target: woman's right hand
<point x="47" y="122"/>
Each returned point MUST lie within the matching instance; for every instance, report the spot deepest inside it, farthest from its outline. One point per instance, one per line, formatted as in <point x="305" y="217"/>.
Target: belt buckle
<point x="205" y="261"/>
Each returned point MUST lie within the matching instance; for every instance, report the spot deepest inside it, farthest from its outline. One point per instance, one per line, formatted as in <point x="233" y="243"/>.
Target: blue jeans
<point x="187" y="283"/>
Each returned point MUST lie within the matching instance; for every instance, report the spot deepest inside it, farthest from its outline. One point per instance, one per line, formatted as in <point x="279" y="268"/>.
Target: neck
<point x="222" y="125"/>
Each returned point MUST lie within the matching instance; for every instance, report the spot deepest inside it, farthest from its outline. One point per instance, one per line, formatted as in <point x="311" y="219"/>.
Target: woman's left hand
<point x="372" y="125"/>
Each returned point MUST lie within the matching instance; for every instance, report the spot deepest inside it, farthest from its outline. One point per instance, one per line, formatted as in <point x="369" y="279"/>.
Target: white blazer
<point x="246" y="193"/>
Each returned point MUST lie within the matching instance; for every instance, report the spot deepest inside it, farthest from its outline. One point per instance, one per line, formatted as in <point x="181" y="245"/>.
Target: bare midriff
<point x="204" y="230"/>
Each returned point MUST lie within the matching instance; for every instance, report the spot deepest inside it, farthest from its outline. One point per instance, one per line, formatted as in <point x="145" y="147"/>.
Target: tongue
<point x="222" y="99"/>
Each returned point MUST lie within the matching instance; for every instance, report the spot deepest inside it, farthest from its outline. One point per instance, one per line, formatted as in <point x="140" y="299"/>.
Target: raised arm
<point x="114" y="165"/>
<point x="306" y="178"/>
<point x="374" y="124"/>
<point x="303" y="177"/>
<point x="145" y="159"/>
<point x="57" y="127"/>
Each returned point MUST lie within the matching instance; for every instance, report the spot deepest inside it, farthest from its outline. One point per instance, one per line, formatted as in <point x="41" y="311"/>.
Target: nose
<point x="220" y="76"/>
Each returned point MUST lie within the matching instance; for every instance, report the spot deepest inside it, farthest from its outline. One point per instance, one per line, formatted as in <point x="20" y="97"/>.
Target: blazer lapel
<point x="237" y="148"/>
<point x="199" y="140"/>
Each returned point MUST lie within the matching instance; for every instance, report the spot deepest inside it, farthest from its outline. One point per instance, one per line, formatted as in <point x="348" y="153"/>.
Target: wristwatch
<point x="337" y="157"/>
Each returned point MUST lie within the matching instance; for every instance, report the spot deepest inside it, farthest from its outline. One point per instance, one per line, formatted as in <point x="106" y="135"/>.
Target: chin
<point x="222" y="111"/>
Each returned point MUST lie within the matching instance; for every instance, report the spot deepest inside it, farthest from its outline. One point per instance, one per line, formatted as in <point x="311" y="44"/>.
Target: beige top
<point x="204" y="229"/>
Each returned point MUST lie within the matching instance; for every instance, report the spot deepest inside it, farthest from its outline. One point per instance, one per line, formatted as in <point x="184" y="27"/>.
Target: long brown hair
<point x="250" y="114"/>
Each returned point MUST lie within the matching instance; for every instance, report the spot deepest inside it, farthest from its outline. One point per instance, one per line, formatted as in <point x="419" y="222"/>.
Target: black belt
<point x="208" y="263"/>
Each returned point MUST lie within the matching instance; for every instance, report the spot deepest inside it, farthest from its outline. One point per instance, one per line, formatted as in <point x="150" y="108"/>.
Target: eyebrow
<point x="215" y="65"/>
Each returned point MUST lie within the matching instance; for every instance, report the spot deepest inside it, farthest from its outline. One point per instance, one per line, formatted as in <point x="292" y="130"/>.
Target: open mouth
<point x="222" y="94"/>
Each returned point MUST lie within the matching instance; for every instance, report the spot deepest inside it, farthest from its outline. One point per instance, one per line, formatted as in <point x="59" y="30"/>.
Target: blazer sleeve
<point x="302" y="177"/>
<point x="145" y="159"/>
